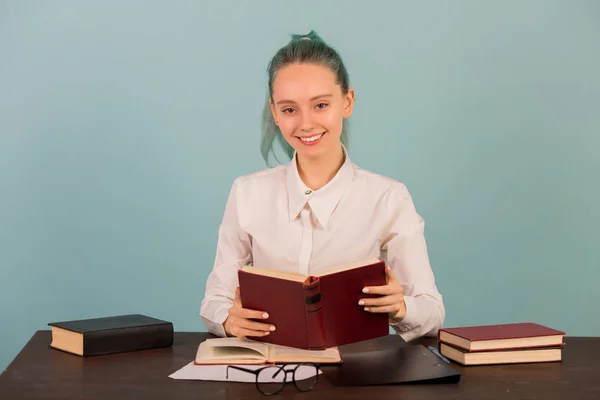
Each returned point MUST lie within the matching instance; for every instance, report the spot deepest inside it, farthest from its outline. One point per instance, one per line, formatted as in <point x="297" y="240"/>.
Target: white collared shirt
<point x="273" y="220"/>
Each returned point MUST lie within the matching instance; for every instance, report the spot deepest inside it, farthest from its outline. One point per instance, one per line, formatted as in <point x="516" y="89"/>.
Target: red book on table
<point x="501" y="336"/>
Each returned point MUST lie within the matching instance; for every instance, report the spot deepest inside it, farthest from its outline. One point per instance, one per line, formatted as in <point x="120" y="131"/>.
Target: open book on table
<point x="246" y="351"/>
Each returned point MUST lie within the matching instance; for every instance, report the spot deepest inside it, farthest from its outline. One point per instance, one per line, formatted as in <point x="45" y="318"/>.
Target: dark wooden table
<point x="39" y="372"/>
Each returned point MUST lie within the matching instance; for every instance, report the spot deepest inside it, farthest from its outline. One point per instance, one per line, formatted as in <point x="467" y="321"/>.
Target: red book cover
<point x="503" y="331"/>
<point x="501" y="336"/>
<point x="315" y="312"/>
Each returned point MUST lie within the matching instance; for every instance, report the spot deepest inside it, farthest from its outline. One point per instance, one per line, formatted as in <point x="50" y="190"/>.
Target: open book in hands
<point x="319" y="311"/>
<point x="237" y="351"/>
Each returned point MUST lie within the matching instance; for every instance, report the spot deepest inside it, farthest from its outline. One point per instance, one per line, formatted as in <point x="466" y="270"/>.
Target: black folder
<point x="389" y="360"/>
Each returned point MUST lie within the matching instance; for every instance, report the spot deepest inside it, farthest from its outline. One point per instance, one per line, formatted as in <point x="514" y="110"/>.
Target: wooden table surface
<point x="39" y="372"/>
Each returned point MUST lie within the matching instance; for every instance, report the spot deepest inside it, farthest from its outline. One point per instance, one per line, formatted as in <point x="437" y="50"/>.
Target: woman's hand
<point x="391" y="301"/>
<point x="239" y="323"/>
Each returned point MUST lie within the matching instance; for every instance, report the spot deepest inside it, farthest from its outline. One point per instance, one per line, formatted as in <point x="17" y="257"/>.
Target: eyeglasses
<point x="271" y="379"/>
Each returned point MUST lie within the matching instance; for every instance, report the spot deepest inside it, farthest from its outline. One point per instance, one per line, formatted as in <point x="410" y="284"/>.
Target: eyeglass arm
<point x="239" y="369"/>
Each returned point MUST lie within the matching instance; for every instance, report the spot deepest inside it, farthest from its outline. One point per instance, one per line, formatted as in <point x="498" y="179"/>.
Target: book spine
<point x="315" y="324"/>
<point x="127" y="339"/>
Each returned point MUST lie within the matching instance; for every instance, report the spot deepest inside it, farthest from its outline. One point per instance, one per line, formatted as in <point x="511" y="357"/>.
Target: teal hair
<point x="299" y="50"/>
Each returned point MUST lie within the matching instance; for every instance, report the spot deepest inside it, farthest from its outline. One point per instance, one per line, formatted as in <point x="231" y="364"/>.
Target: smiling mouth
<point x="311" y="139"/>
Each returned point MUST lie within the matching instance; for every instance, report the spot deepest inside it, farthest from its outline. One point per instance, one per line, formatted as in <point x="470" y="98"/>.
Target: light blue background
<point x="123" y="125"/>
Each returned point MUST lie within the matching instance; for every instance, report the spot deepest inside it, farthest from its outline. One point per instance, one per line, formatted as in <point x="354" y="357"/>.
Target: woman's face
<point x="309" y="107"/>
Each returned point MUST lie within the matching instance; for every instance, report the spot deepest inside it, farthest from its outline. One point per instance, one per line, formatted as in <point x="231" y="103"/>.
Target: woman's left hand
<point x="391" y="301"/>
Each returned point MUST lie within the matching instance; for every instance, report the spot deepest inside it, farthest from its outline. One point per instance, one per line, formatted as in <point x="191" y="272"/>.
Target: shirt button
<point x="308" y="192"/>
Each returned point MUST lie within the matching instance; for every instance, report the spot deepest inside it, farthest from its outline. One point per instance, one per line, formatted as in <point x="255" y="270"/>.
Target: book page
<point x="241" y="346"/>
<point x="287" y="275"/>
<point x="293" y="354"/>
<point x="348" y="266"/>
<point x="235" y="352"/>
<point x="227" y="355"/>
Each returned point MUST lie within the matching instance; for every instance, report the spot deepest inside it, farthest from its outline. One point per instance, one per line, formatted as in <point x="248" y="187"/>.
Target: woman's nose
<point x="307" y="123"/>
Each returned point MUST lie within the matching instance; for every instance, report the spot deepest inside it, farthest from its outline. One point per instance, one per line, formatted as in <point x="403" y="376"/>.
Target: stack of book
<point x="525" y="342"/>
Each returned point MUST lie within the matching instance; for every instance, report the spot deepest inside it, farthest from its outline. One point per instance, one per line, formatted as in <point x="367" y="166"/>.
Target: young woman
<point x="319" y="210"/>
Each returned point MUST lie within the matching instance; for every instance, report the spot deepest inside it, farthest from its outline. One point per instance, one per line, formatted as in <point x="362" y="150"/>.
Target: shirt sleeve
<point x="234" y="250"/>
<point x="405" y="252"/>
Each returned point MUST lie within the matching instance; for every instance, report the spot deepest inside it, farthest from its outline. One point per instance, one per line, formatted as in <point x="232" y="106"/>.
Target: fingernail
<point x="266" y="333"/>
<point x="366" y="290"/>
<point x="361" y="303"/>
<point x="265" y="315"/>
<point x="366" y="308"/>
<point x="272" y="328"/>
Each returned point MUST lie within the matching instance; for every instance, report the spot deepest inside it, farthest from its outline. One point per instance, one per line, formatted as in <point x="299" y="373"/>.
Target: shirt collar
<point x="323" y="201"/>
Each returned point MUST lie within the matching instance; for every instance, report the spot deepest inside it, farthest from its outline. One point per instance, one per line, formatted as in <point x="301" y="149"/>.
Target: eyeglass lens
<point x="302" y="382"/>
<point x="270" y="380"/>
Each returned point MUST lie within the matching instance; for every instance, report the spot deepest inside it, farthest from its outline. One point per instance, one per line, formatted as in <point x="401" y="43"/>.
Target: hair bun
<point x="312" y="35"/>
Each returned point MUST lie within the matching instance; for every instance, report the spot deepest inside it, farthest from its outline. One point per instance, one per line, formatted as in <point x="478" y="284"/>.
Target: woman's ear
<point x="349" y="103"/>
<point x="273" y="111"/>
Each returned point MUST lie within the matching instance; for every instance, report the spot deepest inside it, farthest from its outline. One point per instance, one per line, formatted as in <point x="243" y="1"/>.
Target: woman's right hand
<point x="238" y="322"/>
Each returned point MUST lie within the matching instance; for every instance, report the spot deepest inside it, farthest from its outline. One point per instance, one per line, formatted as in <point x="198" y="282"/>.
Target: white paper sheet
<point x="218" y="373"/>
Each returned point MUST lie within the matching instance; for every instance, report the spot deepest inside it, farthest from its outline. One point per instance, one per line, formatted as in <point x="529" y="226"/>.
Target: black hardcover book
<point x="117" y="334"/>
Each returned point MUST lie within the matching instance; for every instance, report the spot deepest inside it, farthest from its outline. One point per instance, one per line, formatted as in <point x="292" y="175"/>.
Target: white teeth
<point x="312" y="138"/>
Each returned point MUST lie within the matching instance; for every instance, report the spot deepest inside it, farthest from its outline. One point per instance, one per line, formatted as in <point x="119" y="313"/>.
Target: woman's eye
<point x="322" y="105"/>
<point x="287" y="110"/>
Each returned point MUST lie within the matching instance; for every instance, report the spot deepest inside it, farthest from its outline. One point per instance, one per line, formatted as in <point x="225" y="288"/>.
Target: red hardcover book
<point x="501" y="336"/>
<point x="504" y="356"/>
<point x="318" y="311"/>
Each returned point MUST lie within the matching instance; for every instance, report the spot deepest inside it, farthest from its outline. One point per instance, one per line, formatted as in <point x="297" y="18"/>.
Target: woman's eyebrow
<point x="311" y="99"/>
